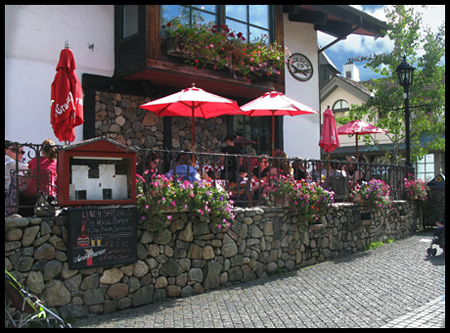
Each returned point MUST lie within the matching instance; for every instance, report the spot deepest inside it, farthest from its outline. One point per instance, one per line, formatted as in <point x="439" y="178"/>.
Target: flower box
<point x="282" y="201"/>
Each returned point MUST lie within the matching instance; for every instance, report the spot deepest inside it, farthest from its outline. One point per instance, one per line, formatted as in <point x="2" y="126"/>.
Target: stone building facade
<point x="194" y="257"/>
<point x="118" y="117"/>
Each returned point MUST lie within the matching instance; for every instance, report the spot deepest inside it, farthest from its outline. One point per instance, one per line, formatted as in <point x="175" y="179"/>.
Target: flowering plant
<point x="208" y="45"/>
<point x="161" y="194"/>
<point x="415" y="189"/>
<point x="310" y="200"/>
<point x="374" y="193"/>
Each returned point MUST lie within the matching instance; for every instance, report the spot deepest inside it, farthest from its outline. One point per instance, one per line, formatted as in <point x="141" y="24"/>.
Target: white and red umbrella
<point x="329" y="139"/>
<point x="192" y="102"/>
<point x="67" y="98"/>
<point x="359" y="127"/>
<point x="274" y="103"/>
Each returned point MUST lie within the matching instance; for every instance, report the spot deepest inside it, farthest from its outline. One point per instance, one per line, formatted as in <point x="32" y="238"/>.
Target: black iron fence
<point x="244" y="176"/>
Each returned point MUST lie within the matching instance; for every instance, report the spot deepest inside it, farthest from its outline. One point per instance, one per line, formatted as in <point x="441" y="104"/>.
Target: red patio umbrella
<point x="274" y="103"/>
<point x="329" y="139"/>
<point x="66" y="110"/>
<point x="192" y="102"/>
<point x="358" y="127"/>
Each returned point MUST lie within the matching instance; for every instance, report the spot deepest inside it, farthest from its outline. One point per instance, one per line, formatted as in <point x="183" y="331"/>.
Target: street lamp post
<point x="405" y="76"/>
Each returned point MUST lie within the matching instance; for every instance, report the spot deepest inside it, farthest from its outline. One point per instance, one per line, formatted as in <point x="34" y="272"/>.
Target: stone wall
<point x="194" y="258"/>
<point x="119" y="117"/>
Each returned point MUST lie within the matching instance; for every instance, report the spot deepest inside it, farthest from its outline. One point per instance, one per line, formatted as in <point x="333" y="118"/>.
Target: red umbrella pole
<point x="273" y="132"/>
<point x="356" y="136"/>
<point x="193" y="134"/>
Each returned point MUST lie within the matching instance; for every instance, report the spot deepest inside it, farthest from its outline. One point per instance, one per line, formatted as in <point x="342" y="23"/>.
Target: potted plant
<point x="416" y="190"/>
<point x="374" y="194"/>
<point x="161" y="195"/>
<point x="309" y="200"/>
<point x="278" y="190"/>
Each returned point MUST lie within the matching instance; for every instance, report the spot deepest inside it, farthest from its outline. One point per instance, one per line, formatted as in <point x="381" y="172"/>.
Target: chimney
<point x="351" y="71"/>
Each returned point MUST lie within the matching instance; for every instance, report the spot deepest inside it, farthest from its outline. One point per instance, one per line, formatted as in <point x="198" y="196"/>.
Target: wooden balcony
<point x="144" y="58"/>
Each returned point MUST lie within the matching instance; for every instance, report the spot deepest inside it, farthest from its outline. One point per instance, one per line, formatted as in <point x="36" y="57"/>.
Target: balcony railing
<point x="245" y="191"/>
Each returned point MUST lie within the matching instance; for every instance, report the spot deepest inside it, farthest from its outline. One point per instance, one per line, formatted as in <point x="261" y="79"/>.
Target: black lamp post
<point x="405" y="75"/>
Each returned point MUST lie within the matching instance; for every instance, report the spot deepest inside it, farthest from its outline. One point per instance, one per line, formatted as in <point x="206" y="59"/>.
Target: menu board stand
<point x="102" y="236"/>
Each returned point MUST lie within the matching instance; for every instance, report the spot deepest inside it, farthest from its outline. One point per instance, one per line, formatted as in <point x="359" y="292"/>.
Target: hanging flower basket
<point x="218" y="48"/>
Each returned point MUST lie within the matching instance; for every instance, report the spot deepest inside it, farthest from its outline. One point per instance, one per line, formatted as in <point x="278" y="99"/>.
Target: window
<point x="258" y="129"/>
<point x="341" y="106"/>
<point x="130" y="21"/>
<point x="195" y="14"/>
<point x="253" y="21"/>
<point x="425" y="168"/>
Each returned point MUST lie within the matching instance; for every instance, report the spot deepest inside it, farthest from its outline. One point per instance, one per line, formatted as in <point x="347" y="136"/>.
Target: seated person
<point x="13" y="155"/>
<point x="334" y="172"/>
<point x="319" y="172"/>
<point x="354" y="173"/>
<point x="299" y="169"/>
<point x="260" y="173"/>
<point x="242" y="178"/>
<point x="230" y="163"/>
<point x="46" y="177"/>
<point x="148" y="166"/>
<point x="280" y="164"/>
<point x="184" y="169"/>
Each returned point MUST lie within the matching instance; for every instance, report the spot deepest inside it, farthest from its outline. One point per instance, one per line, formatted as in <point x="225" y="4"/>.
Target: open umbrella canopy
<point x="358" y="127"/>
<point x="329" y="139"/>
<point x="192" y="102"/>
<point x="66" y="111"/>
<point x="274" y="103"/>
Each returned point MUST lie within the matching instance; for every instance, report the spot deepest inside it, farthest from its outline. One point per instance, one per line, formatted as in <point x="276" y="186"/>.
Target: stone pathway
<point x="393" y="286"/>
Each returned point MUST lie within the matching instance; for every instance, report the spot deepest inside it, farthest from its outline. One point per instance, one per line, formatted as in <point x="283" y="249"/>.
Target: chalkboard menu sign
<point x="102" y="236"/>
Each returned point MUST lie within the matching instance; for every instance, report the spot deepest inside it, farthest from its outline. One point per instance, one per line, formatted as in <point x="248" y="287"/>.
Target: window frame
<point x="222" y="18"/>
<point x="341" y="109"/>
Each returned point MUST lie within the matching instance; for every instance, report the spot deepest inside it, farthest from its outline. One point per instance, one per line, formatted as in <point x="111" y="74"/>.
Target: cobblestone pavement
<point x="396" y="285"/>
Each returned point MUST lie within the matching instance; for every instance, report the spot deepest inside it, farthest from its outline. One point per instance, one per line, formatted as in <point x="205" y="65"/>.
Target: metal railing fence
<point x="223" y="170"/>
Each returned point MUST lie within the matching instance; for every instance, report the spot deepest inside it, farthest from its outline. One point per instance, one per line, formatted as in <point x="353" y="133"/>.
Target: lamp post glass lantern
<point x="405" y="76"/>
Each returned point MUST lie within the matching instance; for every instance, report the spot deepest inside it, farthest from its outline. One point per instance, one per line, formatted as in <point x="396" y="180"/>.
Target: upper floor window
<point x="129" y="21"/>
<point x="341" y="106"/>
<point x="190" y="14"/>
<point x="253" y="21"/>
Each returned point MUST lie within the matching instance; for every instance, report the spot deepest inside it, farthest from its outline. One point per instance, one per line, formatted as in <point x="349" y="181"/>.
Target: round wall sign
<point x="300" y="67"/>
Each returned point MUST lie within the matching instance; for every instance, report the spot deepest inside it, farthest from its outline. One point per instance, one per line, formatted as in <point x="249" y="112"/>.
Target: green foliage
<point x="427" y="93"/>
<point x="310" y="200"/>
<point x="218" y="48"/>
<point x="162" y="195"/>
<point x="374" y="193"/>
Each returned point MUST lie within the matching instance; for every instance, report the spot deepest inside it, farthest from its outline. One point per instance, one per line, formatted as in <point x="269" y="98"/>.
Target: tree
<point x="427" y="93"/>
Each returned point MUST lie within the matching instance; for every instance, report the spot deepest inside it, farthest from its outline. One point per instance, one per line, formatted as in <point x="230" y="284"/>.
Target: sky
<point x="357" y="45"/>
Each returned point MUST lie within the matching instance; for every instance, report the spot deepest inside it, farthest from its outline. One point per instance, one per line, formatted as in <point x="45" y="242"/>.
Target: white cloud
<point x="433" y="16"/>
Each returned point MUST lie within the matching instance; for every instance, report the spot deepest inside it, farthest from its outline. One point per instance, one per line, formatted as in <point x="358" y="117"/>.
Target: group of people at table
<point x="232" y="172"/>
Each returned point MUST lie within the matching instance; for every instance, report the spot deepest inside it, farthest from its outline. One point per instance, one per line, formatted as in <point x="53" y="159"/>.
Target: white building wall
<point x="34" y="38"/>
<point x="302" y="133"/>
<point x="35" y="35"/>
